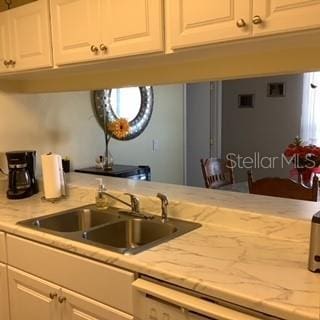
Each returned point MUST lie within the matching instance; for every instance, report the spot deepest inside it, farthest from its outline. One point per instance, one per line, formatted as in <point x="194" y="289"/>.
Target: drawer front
<point x="3" y="256"/>
<point x="109" y="285"/>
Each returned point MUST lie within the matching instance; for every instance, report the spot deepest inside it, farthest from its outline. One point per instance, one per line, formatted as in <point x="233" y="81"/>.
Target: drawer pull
<point x="257" y="20"/>
<point x="103" y="48"/>
<point x="241" y="23"/>
<point x="94" y="49"/>
<point x="62" y="299"/>
<point x="52" y="295"/>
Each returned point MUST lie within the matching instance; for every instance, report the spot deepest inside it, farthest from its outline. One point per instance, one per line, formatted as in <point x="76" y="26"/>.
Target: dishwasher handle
<point x="195" y="307"/>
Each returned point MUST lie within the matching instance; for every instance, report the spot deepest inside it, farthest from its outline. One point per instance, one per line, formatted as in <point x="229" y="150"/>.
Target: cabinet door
<point x="132" y="27"/>
<point x="78" y="307"/>
<point x="193" y="23"/>
<point x="4" y="301"/>
<point x="30" y="297"/>
<point x="4" y="42"/>
<point x="30" y="35"/>
<point x="285" y="15"/>
<point x="75" y="28"/>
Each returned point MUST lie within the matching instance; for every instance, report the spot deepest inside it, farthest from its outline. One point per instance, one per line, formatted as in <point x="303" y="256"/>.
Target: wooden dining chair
<point x="216" y="172"/>
<point x="284" y="188"/>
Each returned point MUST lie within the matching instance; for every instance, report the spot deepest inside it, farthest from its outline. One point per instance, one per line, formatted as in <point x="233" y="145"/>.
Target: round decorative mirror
<point x="135" y="104"/>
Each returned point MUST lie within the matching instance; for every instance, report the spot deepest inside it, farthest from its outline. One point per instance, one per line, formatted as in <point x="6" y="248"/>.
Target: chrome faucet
<point x="134" y="201"/>
<point x="164" y="207"/>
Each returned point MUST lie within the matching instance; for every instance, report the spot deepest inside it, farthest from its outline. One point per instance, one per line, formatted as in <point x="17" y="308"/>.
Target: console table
<point x="121" y="171"/>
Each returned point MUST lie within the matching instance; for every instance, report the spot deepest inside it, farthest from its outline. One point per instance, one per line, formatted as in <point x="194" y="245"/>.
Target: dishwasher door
<point x="153" y="301"/>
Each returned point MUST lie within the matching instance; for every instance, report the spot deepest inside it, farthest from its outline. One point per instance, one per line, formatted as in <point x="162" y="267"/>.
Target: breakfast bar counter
<point x="251" y="251"/>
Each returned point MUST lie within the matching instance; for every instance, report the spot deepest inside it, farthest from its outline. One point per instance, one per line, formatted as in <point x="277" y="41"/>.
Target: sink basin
<point x="112" y="228"/>
<point x="130" y="234"/>
<point x="74" y="220"/>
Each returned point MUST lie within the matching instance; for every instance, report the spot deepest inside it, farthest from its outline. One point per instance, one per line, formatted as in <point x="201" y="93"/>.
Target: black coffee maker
<point x="22" y="181"/>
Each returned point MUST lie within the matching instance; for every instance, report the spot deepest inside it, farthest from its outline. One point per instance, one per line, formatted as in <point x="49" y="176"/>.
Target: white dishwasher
<point x="155" y="301"/>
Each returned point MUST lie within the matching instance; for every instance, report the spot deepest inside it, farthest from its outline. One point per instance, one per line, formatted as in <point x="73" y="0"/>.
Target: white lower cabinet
<point x="78" y="307"/>
<point x="32" y="298"/>
<point x="4" y="299"/>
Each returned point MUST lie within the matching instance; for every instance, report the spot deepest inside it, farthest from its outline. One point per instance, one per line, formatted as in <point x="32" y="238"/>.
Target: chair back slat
<point x="284" y="188"/>
<point x="216" y="172"/>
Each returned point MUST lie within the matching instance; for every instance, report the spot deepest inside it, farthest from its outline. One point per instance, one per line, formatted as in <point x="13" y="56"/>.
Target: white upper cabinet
<point x="75" y="29"/>
<point x="25" y="40"/>
<point x="132" y="27"/>
<point x="4" y="42"/>
<point x="193" y="23"/>
<point x="85" y="30"/>
<point x="30" y="35"/>
<point x="202" y="22"/>
<point x="274" y="16"/>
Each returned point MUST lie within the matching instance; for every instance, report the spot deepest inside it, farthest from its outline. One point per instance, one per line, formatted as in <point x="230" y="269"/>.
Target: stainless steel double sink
<point x="113" y="229"/>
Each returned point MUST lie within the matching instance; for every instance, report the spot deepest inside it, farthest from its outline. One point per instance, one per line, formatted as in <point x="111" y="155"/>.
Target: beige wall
<point x="166" y="126"/>
<point x="64" y="123"/>
<point x="267" y="128"/>
<point x="60" y="122"/>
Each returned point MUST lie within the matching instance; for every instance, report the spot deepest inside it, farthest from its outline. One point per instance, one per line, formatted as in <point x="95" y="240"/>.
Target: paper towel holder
<point x="60" y="179"/>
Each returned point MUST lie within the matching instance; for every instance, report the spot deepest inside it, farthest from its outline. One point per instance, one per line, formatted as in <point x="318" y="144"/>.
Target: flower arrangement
<point x="303" y="156"/>
<point x="119" y="128"/>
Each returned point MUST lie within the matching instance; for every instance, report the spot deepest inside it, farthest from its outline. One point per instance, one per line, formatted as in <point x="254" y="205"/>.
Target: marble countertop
<point x="254" y="254"/>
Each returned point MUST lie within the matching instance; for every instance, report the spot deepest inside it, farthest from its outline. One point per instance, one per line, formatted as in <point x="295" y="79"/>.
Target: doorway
<point x="203" y="127"/>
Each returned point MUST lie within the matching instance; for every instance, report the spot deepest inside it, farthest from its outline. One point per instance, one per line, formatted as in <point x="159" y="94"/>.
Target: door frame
<point x="215" y="118"/>
<point x="215" y="123"/>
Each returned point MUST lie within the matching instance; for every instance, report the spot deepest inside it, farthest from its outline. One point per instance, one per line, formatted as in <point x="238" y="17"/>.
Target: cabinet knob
<point x="241" y="23"/>
<point x="12" y="62"/>
<point x="94" y="49"/>
<point x="103" y="48"/>
<point x="62" y="299"/>
<point x="52" y="295"/>
<point x="257" y="20"/>
<point x="6" y="63"/>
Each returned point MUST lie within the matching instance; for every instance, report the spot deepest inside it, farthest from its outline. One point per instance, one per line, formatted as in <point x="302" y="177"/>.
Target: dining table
<point x="241" y="186"/>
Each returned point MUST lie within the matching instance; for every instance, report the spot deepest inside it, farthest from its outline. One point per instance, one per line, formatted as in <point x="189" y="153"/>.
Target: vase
<point x="108" y="160"/>
<point x="304" y="176"/>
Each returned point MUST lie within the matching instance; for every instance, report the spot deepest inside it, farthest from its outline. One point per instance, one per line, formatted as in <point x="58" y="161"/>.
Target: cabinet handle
<point x="62" y="299"/>
<point x="257" y="20"/>
<point x="12" y="62"/>
<point x="103" y="48"/>
<point x="52" y="295"/>
<point x="94" y="49"/>
<point x="6" y="63"/>
<point x="241" y="23"/>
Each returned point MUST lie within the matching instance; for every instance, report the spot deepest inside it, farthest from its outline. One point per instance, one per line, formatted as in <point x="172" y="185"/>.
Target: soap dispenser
<point x="101" y="197"/>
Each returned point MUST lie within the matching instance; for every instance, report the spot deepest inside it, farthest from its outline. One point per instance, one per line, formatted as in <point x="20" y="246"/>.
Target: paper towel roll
<point x="52" y="175"/>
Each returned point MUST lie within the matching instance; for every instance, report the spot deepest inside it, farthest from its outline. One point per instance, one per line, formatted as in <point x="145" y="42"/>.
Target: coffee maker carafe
<point x="22" y="181"/>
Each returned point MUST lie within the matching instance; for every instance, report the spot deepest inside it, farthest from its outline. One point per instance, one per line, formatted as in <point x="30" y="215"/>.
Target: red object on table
<point x="306" y="174"/>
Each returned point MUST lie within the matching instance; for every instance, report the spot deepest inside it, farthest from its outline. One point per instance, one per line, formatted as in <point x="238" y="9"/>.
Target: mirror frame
<point x="102" y="107"/>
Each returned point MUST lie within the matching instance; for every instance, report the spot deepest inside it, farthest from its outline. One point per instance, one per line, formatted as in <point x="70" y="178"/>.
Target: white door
<point x="4" y="301"/>
<point x="30" y="35"/>
<point x="4" y="42"/>
<point x="193" y="23"/>
<point x="78" y="307"/>
<point x="274" y="16"/>
<point x="32" y="298"/>
<point x="75" y="30"/>
<point x="132" y="27"/>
